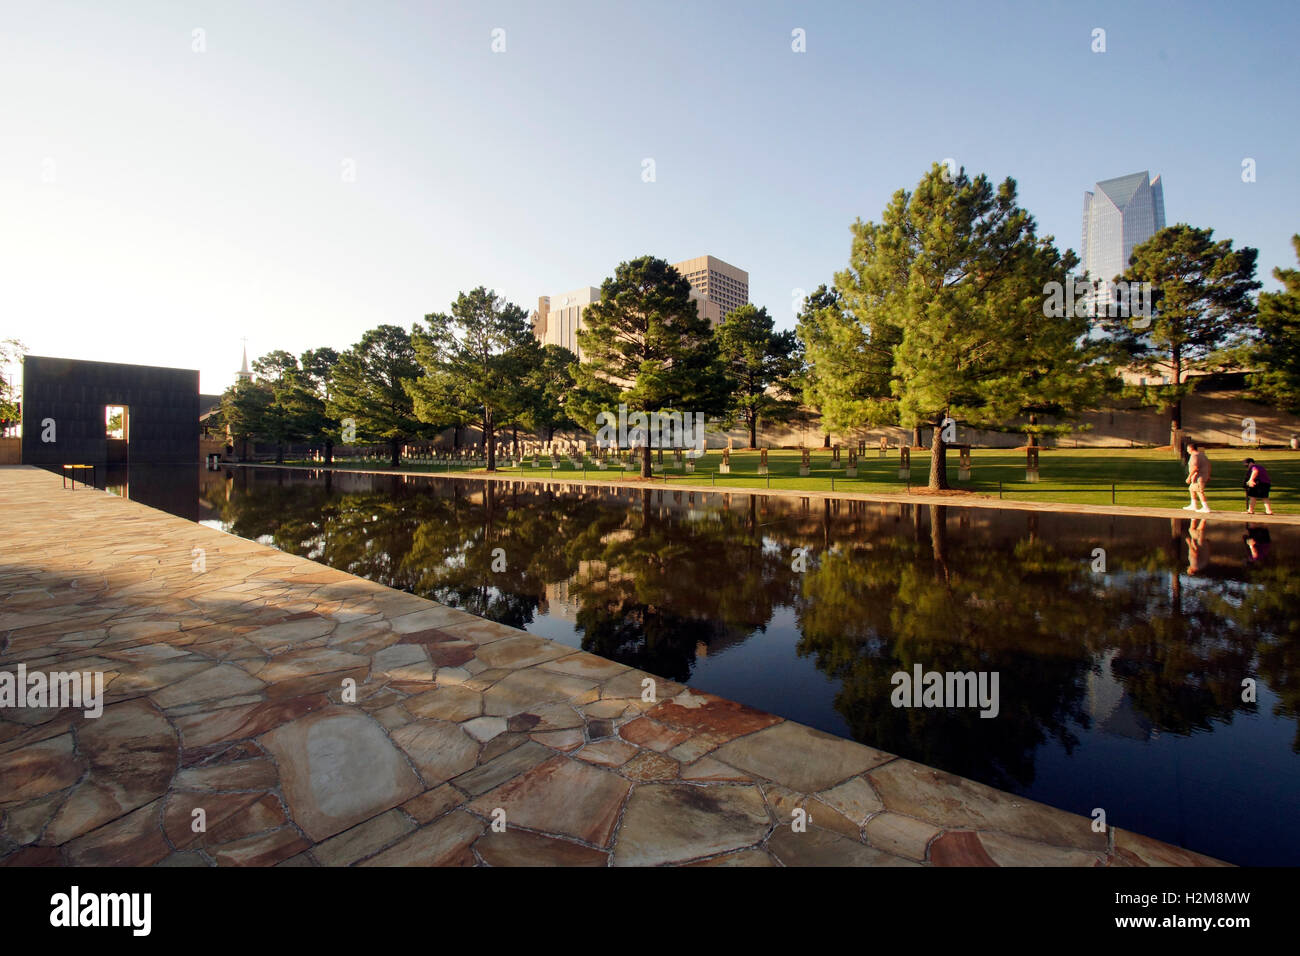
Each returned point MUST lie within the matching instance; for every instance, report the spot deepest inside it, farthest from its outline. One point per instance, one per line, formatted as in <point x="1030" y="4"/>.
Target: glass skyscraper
<point x="1122" y="213"/>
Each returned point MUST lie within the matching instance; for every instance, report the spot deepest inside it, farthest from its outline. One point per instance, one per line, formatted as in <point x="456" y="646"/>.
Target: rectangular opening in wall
<point x="116" y="422"/>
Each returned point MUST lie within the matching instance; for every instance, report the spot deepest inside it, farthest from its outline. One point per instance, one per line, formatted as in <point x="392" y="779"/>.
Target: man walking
<point x="1198" y="476"/>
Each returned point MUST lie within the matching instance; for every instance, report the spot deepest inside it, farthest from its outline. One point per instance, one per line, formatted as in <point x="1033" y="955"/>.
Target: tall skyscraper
<point x="1122" y="213"/>
<point x="717" y="288"/>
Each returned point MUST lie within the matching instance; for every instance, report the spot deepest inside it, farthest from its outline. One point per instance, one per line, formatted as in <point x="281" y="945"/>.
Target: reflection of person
<point x="1258" y="485"/>
<point x="1198" y="549"/>
<point x="1258" y="541"/>
<point x="1198" y="476"/>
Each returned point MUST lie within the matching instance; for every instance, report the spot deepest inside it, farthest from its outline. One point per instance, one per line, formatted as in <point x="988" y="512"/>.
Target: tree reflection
<point x="872" y="608"/>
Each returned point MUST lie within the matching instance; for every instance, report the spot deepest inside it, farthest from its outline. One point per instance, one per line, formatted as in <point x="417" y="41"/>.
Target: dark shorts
<point x="1260" y="490"/>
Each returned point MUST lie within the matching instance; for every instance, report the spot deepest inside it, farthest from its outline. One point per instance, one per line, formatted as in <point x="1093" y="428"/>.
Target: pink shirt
<point x="1199" y="465"/>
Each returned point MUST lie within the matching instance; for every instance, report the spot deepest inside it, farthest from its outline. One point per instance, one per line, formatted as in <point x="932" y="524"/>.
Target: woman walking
<point x="1258" y="485"/>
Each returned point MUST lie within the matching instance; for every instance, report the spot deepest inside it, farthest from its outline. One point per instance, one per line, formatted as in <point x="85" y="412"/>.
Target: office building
<point x="1119" y="215"/>
<point x="717" y="288"/>
<point x="716" y="281"/>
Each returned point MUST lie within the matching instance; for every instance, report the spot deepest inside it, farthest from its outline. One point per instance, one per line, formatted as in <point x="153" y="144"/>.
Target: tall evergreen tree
<point x="481" y="352"/>
<point x="1277" y="352"/>
<point x="550" y="385"/>
<point x="1060" y="368"/>
<point x="759" y="362"/>
<point x="645" y="343"/>
<point x="1201" y="298"/>
<point x="309" y="391"/>
<point x="956" y="273"/>
<point x="265" y="410"/>
<point x="369" y="387"/>
<point x="244" y="408"/>
<point x="850" y="341"/>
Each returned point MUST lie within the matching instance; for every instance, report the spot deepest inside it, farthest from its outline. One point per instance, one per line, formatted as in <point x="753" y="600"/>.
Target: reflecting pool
<point x="1126" y="649"/>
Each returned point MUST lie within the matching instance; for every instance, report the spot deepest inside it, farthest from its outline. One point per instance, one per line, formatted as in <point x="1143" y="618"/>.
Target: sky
<point x="177" y="176"/>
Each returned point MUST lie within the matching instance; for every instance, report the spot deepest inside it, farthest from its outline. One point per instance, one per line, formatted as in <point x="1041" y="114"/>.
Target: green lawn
<point x="1142" y="477"/>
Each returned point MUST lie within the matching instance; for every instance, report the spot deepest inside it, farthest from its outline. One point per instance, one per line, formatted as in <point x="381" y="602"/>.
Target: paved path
<point x="229" y="668"/>
<point x="918" y="495"/>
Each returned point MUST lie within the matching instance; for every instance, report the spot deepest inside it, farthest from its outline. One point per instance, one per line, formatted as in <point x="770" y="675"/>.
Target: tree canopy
<point x="944" y="298"/>
<point x="646" y="344"/>
<point x="1277" y="351"/>
<point x="1201" y="301"/>
<point x="759" y="361"/>
<point x="369" y="387"/>
<point x="476" y="359"/>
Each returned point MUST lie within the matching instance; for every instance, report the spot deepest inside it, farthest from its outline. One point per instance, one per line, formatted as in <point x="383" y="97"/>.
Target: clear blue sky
<point x="200" y="197"/>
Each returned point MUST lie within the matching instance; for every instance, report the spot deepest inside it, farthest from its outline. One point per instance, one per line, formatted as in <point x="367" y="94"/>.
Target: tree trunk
<point x="515" y="435"/>
<point x="329" y="451"/>
<point x="916" y="436"/>
<point x="455" y="438"/>
<point x="279" y="453"/>
<point x="938" y="461"/>
<point x="1176" y="410"/>
<point x="645" y="462"/>
<point x="395" y="449"/>
<point x="1033" y="436"/>
<point x="826" y="439"/>
<point x="939" y="534"/>
<point x="550" y="433"/>
<point x="490" y="446"/>
<point x="753" y="432"/>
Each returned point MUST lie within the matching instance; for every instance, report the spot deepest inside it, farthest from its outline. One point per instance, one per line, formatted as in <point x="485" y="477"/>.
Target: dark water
<point x="1119" y="689"/>
<point x="170" y="488"/>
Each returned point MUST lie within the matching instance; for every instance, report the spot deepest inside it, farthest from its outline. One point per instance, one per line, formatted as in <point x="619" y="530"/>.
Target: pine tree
<point x="954" y="276"/>
<point x="479" y="354"/>
<point x="759" y="361"/>
<point x="645" y="343"/>
<point x="1277" y="352"/>
<point x="370" y="388"/>
<point x="1201" y="297"/>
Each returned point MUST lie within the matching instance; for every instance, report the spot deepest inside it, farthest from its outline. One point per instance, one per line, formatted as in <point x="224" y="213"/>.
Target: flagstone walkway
<point x="308" y="717"/>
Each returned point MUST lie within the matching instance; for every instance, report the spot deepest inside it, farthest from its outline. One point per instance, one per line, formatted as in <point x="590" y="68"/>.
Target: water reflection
<point x="170" y="488"/>
<point x="1121" y="670"/>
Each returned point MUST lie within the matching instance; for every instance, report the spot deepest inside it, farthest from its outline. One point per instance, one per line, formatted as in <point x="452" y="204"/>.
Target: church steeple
<point x="244" y="375"/>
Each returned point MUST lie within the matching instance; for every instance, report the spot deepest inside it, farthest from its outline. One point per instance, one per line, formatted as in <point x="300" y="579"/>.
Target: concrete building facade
<point x="717" y="281"/>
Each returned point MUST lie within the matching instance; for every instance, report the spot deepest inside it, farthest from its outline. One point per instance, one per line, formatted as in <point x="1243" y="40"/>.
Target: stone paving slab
<point x="307" y="717"/>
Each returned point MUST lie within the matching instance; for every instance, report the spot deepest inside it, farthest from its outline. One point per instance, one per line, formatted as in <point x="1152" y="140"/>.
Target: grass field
<point x="1141" y="477"/>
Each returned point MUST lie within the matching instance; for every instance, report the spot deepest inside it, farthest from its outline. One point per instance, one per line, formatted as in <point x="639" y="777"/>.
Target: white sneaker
<point x="1189" y="508"/>
<point x="1203" y="509"/>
